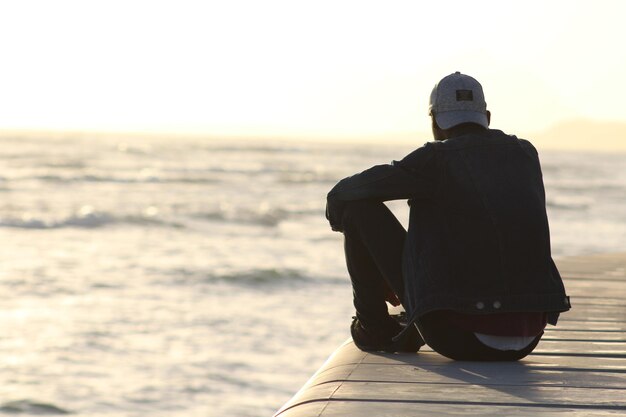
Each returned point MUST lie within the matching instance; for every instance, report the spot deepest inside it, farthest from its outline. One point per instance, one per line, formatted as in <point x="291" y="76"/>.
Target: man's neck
<point x="463" y="129"/>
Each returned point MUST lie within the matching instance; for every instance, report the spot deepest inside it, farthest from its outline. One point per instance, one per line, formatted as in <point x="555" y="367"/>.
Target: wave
<point x="85" y="221"/>
<point x="589" y="187"/>
<point x="207" y="175"/>
<point x="88" y="218"/>
<point x="261" y="216"/>
<point x="567" y="206"/>
<point x="248" y="278"/>
<point x="253" y="277"/>
<point x="217" y="175"/>
<point x="308" y="177"/>
<point x="31" y="407"/>
<point x="64" y="164"/>
<point x="255" y="148"/>
<point x="269" y="218"/>
<point x="124" y="180"/>
<point x="261" y="277"/>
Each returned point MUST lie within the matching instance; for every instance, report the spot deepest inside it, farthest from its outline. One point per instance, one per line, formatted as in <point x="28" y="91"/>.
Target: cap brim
<point x="448" y="119"/>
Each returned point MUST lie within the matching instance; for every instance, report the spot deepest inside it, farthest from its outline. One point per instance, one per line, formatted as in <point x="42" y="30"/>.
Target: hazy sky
<point x="303" y="67"/>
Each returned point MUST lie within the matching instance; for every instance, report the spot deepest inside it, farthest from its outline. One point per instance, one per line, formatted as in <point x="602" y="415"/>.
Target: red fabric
<point x="499" y="324"/>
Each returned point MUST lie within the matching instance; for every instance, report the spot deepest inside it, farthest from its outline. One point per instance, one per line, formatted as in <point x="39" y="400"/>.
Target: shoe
<point x="379" y="339"/>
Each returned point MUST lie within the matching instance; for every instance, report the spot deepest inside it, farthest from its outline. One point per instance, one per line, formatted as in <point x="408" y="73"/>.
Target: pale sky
<point x="303" y="67"/>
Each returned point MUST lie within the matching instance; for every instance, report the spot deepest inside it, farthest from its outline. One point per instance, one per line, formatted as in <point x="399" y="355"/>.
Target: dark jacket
<point x="478" y="240"/>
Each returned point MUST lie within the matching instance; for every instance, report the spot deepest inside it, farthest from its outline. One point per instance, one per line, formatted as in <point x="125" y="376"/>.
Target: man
<point x="474" y="271"/>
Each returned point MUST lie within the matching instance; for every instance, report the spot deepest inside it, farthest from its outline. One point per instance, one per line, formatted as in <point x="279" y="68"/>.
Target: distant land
<point x="583" y="134"/>
<point x="576" y="134"/>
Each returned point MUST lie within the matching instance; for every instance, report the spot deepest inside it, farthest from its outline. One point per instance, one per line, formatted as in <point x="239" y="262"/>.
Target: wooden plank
<point x="336" y="408"/>
<point x="584" y="348"/>
<point x="608" y="398"/>
<point x="429" y="358"/>
<point x="467" y="394"/>
<point x="579" y="313"/>
<point x="497" y="375"/>
<point x="608" y="288"/>
<point x="589" y="335"/>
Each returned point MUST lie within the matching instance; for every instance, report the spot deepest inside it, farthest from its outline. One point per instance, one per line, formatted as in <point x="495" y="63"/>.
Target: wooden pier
<point x="578" y="369"/>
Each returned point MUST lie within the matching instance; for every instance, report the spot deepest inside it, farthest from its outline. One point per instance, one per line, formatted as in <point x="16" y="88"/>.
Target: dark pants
<point x="462" y="345"/>
<point x="374" y="241"/>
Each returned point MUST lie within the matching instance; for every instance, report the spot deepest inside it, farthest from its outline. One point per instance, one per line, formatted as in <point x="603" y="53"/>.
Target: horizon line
<point x="399" y="137"/>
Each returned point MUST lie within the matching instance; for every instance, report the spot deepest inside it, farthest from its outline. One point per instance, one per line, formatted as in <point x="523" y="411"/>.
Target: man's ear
<point x="437" y="132"/>
<point x="488" y="117"/>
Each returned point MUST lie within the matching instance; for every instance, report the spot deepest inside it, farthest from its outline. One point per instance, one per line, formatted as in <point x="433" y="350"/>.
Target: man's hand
<point x="334" y="213"/>
<point x="390" y="296"/>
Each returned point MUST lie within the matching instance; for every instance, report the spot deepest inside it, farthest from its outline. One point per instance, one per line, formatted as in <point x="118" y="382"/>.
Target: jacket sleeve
<point x="394" y="181"/>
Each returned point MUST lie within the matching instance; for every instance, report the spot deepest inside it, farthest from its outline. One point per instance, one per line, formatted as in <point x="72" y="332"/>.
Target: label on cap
<point x="464" y="95"/>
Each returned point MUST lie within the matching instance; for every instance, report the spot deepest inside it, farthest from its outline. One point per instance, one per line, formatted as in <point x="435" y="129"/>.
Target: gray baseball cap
<point x="456" y="99"/>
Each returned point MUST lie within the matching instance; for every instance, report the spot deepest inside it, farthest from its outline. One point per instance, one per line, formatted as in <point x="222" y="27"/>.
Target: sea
<point x="188" y="276"/>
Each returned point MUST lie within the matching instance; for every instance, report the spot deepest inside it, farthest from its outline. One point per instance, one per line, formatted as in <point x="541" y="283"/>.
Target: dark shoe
<point x="411" y="339"/>
<point x="380" y="338"/>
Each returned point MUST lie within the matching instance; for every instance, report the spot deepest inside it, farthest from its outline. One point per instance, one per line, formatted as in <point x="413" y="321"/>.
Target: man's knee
<point x="357" y="212"/>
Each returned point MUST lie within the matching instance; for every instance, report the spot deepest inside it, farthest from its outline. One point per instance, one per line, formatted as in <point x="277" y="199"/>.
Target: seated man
<point x="474" y="272"/>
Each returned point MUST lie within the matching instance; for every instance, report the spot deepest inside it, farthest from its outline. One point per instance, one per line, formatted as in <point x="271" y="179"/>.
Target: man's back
<point x="481" y="238"/>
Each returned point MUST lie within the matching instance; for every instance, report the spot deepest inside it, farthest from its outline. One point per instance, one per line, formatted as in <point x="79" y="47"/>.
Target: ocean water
<point x="188" y="277"/>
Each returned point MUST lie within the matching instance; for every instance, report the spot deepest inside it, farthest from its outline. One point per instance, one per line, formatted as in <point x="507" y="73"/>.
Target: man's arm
<point x="394" y="181"/>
